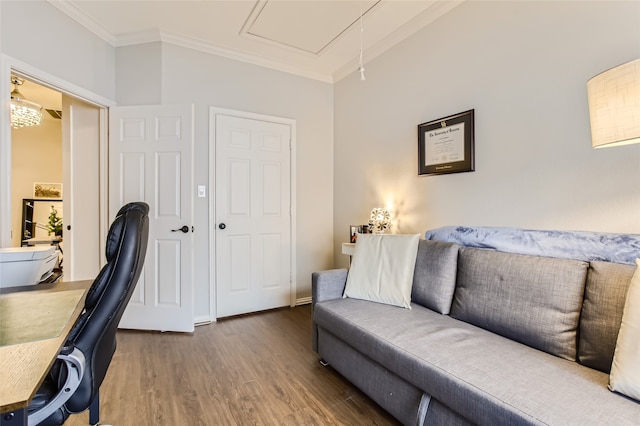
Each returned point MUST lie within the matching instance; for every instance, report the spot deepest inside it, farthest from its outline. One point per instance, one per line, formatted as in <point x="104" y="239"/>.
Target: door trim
<point x="8" y="65"/>
<point x="213" y="112"/>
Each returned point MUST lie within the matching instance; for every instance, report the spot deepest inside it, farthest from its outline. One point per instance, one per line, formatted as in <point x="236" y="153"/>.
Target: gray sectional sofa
<point x="492" y="338"/>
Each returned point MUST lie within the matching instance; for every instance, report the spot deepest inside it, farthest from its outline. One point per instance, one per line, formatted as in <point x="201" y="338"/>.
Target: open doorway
<point x="37" y="212"/>
<point x="63" y="154"/>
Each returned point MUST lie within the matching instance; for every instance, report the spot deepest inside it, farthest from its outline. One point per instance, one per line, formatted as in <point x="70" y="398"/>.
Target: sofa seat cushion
<point x="531" y="299"/>
<point x="485" y="377"/>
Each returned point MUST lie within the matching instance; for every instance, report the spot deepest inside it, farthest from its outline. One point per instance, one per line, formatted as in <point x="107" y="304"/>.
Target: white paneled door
<point x="150" y="159"/>
<point x="81" y="170"/>
<point x="253" y="214"/>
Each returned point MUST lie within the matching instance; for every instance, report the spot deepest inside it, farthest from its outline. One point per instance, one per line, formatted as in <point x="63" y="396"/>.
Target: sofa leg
<point x="324" y="363"/>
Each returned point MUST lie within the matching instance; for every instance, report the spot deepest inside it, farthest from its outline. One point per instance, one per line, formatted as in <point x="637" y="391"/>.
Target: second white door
<point x="150" y="159"/>
<point x="253" y="214"/>
<point x="83" y="192"/>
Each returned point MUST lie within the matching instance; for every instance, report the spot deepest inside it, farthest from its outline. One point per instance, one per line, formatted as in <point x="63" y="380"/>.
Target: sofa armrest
<point x="325" y="285"/>
<point x="328" y="285"/>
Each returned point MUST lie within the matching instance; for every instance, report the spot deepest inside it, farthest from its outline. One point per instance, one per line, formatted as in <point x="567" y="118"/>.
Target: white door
<point x="150" y="159"/>
<point x="253" y="215"/>
<point x="81" y="189"/>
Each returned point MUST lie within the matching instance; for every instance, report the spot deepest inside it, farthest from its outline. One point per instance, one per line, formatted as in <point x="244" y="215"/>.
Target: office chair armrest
<point x="75" y="363"/>
<point x="66" y="350"/>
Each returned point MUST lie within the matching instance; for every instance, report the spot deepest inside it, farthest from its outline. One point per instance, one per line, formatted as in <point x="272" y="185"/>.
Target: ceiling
<point x="319" y="39"/>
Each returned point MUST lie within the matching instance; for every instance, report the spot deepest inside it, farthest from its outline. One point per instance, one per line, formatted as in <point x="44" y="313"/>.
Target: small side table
<point x="348" y="248"/>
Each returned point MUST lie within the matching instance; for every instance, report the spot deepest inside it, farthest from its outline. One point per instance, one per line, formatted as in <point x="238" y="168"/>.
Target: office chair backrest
<point x="95" y="332"/>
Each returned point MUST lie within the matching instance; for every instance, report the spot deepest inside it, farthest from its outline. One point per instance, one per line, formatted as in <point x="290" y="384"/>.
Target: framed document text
<point x="446" y="145"/>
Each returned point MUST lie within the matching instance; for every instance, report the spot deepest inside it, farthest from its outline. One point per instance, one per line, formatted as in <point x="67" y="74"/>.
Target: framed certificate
<point x="446" y="145"/>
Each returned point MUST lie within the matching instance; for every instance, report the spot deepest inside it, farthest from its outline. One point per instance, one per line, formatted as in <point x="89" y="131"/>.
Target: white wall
<point x="138" y="74"/>
<point x="190" y="76"/>
<point x="523" y="67"/>
<point x="37" y="33"/>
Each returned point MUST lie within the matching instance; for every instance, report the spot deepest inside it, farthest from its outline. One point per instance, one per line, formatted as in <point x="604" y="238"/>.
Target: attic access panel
<point x="310" y="26"/>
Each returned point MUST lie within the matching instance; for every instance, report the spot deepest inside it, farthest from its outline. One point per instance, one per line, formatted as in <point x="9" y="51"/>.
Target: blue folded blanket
<point x="587" y="246"/>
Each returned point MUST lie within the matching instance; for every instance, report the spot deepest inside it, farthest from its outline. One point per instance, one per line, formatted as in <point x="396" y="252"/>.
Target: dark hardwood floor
<point x="256" y="369"/>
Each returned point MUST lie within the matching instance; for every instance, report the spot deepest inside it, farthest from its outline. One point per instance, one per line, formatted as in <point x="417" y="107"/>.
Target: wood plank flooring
<point x="251" y="370"/>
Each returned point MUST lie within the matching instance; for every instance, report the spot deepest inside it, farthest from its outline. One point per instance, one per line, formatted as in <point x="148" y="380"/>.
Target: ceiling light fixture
<point x="23" y="112"/>
<point x="361" y="68"/>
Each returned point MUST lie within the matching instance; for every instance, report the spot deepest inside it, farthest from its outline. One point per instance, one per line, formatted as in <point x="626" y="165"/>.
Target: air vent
<point x="54" y="113"/>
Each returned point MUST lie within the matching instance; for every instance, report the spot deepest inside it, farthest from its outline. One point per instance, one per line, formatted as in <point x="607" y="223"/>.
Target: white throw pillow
<point x="625" y="369"/>
<point x="382" y="268"/>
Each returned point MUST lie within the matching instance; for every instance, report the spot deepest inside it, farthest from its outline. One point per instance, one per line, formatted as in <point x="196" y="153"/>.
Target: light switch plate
<point x="202" y="191"/>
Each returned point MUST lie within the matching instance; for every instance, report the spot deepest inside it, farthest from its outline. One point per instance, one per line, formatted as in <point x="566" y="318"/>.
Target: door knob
<point x="184" y="229"/>
<point x="222" y="226"/>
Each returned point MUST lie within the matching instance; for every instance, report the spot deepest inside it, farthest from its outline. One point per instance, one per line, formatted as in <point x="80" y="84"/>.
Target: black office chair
<point x="73" y="383"/>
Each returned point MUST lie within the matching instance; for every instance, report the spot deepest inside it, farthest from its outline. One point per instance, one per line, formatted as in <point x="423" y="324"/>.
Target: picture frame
<point x="354" y="230"/>
<point x="447" y="145"/>
<point x="45" y="190"/>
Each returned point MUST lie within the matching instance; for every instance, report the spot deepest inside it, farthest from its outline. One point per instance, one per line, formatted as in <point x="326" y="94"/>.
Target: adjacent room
<point x="280" y="163"/>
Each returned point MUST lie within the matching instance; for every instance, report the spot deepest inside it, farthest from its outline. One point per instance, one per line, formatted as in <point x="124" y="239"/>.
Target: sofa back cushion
<point x="434" y="277"/>
<point x="530" y="299"/>
<point x="604" y="297"/>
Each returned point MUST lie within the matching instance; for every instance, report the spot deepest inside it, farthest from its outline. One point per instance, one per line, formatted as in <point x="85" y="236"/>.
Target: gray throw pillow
<point x="605" y="293"/>
<point x="434" y="278"/>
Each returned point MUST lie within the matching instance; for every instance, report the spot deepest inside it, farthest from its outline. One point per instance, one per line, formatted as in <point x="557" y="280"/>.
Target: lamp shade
<point x="614" y="105"/>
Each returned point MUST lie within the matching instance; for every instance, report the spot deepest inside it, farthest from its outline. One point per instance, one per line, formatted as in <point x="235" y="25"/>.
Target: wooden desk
<point x="52" y="241"/>
<point x="35" y="321"/>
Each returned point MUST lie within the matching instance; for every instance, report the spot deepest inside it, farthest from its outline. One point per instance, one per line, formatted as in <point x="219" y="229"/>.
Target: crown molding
<point x="83" y="19"/>
<point x="433" y="12"/>
<point x="210" y="48"/>
<point x="156" y="35"/>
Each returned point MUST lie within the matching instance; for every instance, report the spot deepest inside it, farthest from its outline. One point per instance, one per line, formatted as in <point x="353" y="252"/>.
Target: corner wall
<point x="523" y="67"/>
<point x="187" y="76"/>
<point x="208" y="80"/>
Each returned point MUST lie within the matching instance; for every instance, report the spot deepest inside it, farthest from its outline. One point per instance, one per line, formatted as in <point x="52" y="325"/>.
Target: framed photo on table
<point x="354" y="230"/>
<point x="446" y="145"/>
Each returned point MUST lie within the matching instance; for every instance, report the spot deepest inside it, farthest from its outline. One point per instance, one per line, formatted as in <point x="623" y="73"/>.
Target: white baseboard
<point x="204" y="320"/>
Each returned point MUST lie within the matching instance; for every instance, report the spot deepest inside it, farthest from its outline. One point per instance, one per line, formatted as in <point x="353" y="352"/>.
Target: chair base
<point x="94" y="410"/>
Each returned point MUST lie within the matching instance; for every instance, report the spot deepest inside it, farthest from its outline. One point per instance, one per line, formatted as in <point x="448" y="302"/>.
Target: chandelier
<point x="23" y="112"/>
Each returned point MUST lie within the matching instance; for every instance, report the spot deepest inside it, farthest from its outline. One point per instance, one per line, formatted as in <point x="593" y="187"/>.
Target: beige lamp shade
<point x="614" y="105"/>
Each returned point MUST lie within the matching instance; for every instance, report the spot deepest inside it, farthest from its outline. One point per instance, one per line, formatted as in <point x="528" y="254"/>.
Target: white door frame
<point x="213" y="112"/>
<point x="9" y="65"/>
